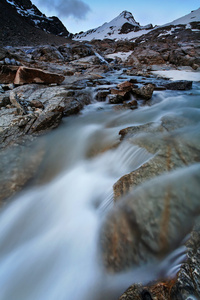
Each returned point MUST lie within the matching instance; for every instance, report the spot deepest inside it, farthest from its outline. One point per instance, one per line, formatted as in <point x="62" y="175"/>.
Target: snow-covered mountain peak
<point x="118" y="28"/>
<point x="127" y="16"/>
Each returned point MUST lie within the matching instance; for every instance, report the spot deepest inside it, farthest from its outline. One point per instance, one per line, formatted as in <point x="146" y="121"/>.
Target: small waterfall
<point x="101" y="58"/>
<point x="49" y="233"/>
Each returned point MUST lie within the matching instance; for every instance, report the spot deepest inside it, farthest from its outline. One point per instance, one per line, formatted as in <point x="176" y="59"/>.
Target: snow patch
<point x="179" y="75"/>
<point x="122" y="55"/>
<point x="194" y="16"/>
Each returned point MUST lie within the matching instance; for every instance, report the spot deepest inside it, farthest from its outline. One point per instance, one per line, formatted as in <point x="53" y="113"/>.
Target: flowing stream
<point x="49" y="233"/>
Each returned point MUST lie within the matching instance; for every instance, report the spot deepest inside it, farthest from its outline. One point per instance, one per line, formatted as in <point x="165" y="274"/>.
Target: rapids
<point x="49" y="232"/>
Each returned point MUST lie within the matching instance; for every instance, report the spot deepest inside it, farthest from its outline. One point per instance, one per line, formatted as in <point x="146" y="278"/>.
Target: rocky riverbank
<point x="40" y="86"/>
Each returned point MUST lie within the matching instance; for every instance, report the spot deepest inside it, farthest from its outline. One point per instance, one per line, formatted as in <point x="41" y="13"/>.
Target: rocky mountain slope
<point x="22" y="24"/>
<point x="125" y="27"/>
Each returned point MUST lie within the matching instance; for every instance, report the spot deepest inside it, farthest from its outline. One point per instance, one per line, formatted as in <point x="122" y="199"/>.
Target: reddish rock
<point x="36" y="104"/>
<point x="124" y="94"/>
<point x="7" y="74"/>
<point x="125" y="86"/>
<point x="26" y="75"/>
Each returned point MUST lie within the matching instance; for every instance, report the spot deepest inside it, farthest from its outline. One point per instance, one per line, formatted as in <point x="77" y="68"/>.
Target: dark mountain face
<point x="34" y="17"/>
<point x="22" y="23"/>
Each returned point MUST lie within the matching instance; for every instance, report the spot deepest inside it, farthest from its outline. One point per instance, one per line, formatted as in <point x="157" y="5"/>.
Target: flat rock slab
<point x="26" y="75"/>
<point x="181" y="85"/>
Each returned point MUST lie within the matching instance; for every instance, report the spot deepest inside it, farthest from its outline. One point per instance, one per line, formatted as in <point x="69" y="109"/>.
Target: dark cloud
<point x="65" y="8"/>
<point x="76" y="8"/>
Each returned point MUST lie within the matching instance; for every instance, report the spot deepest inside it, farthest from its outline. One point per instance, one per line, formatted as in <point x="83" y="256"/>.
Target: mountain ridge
<point x="22" y="23"/>
<point x="125" y="27"/>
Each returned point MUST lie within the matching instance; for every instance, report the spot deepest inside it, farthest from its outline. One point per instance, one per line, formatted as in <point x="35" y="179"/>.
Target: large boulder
<point x="35" y="109"/>
<point x="26" y="75"/>
<point x="8" y="73"/>
<point x="151" y="220"/>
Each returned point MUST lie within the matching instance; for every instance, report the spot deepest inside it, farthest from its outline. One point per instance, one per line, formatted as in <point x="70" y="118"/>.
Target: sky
<point x="82" y="15"/>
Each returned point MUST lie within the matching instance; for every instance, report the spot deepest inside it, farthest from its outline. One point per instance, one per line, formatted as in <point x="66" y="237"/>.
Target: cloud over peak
<point x="66" y="8"/>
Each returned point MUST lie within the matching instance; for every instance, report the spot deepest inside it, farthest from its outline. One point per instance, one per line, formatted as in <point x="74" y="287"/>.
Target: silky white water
<point x="49" y="233"/>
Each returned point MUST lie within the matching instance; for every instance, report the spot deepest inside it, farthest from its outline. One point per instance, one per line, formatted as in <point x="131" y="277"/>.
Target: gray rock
<point x="179" y="85"/>
<point x="145" y="92"/>
<point x="15" y="101"/>
<point x="151" y="220"/>
<point x="18" y="164"/>
<point x="7" y="61"/>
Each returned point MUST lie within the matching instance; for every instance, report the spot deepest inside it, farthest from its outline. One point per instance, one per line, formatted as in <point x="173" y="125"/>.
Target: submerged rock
<point x="165" y="142"/>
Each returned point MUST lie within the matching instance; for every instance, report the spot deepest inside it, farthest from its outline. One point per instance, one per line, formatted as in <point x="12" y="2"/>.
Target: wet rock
<point x="151" y="220"/>
<point x="131" y="104"/>
<point x="187" y="281"/>
<point x="47" y="120"/>
<point x="26" y="75"/>
<point x="184" y="285"/>
<point x="179" y="85"/>
<point x="165" y="142"/>
<point x="38" y="109"/>
<point x="125" y="86"/>
<point x="7" y="74"/>
<point x="121" y="93"/>
<point x="115" y="99"/>
<point x="156" y="291"/>
<point x="101" y="95"/>
<point x="145" y="92"/>
<point x="18" y="165"/>
<point x="71" y="106"/>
